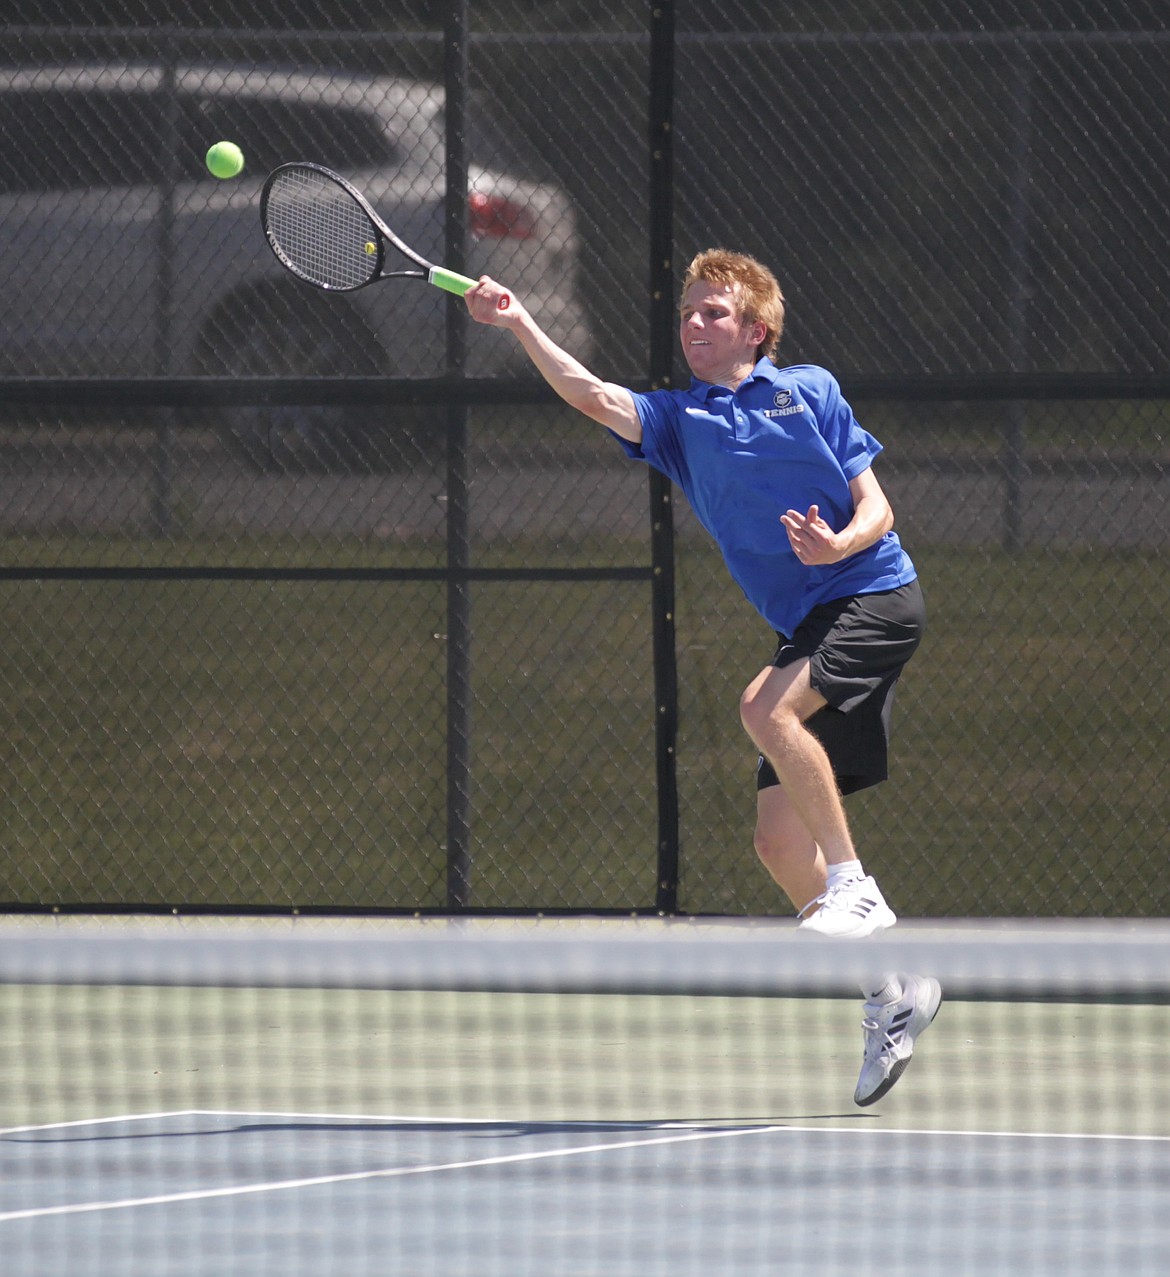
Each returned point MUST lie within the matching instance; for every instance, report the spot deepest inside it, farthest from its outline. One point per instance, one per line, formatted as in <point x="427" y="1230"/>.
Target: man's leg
<point x="898" y="1007"/>
<point x="774" y="709"/>
<point x="787" y="850"/>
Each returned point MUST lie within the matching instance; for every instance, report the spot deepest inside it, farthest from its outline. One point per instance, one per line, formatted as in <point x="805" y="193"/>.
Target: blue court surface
<point x="248" y="1193"/>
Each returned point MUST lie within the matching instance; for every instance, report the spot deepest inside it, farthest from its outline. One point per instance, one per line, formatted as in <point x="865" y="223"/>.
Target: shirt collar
<point x="765" y="370"/>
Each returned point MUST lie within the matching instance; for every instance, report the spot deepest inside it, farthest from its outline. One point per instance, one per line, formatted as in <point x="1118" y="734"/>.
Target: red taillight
<point x="495" y="217"/>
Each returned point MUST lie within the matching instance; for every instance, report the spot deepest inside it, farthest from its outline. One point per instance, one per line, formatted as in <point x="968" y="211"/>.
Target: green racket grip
<point x="452" y="282"/>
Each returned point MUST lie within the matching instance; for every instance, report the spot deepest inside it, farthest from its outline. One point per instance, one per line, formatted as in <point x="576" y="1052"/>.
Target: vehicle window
<point x="498" y="143"/>
<point x="60" y="139"/>
<point x="272" y="132"/>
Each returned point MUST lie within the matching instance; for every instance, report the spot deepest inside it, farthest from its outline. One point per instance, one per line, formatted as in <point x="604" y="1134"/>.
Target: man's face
<point x="717" y="345"/>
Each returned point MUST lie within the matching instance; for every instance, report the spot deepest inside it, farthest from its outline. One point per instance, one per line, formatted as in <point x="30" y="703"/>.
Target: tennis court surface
<point x="626" y="1097"/>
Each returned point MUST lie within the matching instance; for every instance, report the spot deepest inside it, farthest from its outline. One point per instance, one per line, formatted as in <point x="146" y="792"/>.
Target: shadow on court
<point x="233" y="1193"/>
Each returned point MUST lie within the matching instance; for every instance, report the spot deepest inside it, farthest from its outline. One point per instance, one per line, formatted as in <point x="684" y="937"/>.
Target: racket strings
<point x="320" y="231"/>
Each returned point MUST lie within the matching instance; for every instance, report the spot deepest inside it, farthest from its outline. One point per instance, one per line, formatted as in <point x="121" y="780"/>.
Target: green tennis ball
<point x="225" y="159"/>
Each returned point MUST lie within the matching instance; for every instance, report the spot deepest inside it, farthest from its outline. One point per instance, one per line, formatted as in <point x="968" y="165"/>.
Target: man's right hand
<point x="491" y="303"/>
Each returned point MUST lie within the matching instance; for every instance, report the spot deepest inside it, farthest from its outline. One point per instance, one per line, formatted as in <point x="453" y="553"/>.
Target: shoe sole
<point x="919" y="1022"/>
<point x="873" y="925"/>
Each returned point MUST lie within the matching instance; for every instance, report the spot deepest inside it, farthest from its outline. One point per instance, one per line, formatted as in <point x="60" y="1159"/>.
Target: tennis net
<point x="575" y="1097"/>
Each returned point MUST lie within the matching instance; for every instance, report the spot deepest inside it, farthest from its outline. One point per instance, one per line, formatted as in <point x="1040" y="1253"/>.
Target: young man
<point x="779" y="472"/>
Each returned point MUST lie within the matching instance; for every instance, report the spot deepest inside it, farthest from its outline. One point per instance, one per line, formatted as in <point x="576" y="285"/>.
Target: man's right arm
<point x="602" y="401"/>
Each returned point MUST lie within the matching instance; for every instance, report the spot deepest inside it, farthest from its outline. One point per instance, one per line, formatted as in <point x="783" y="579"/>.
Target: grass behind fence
<point x="1030" y="756"/>
<point x="219" y="743"/>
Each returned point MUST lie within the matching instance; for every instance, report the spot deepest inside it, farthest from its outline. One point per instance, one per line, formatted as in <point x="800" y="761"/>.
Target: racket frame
<point x="448" y="280"/>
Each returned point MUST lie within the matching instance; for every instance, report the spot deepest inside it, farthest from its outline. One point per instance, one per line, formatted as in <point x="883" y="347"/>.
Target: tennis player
<point x="779" y="472"/>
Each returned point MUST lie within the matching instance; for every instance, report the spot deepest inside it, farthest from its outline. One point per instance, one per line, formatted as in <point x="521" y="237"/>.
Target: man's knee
<point x="767" y="846"/>
<point x="778" y="701"/>
<point x="764" y="716"/>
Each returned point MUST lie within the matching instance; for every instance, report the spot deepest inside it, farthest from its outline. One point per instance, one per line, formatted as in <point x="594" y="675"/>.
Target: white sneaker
<point x="890" y="1033"/>
<point x="851" y="910"/>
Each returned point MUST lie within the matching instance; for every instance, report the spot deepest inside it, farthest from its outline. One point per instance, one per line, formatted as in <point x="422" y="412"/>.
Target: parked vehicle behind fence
<point x="125" y="258"/>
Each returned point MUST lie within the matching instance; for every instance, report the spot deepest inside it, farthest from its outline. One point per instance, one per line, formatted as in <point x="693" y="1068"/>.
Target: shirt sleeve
<point x="854" y="448"/>
<point x="661" y="445"/>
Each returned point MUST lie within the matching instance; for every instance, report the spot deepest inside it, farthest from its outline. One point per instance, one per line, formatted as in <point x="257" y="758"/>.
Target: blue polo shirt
<point x="786" y="439"/>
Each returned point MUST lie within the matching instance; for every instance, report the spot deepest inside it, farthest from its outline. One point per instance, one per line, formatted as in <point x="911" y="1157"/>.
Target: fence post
<point x="166" y="179"/>
<point x="662" y="336"/>
<point x="1013" y="457"/>
<point x="458" y="515"/>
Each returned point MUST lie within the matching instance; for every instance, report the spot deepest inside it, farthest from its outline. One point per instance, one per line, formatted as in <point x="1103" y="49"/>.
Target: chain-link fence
<point x="322" y="602"/>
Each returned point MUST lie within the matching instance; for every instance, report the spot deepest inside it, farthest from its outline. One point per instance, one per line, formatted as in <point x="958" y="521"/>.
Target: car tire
<point x="273" y="335"/>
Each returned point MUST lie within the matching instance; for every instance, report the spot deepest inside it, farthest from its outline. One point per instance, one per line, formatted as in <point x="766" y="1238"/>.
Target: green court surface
<point x="76" y="1052"/>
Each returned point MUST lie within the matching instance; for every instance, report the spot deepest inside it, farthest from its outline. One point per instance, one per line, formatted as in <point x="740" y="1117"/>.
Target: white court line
<point x="307" y="1117"/>
<point x="982" y="1135"/>
<point x="399" y="1172"/>
<point x="93" y="1121"/>
<point x="392" y="1172"/>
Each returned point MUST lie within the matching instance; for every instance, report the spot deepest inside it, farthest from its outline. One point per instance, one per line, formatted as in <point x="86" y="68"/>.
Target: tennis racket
<point x="325" y="231"/>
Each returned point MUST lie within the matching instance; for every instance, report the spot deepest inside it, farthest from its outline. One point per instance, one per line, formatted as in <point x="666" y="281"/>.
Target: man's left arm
<point x="815" y="543"/>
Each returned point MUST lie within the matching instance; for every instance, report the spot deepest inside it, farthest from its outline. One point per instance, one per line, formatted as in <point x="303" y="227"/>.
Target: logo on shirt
<point x="784" y="405"/>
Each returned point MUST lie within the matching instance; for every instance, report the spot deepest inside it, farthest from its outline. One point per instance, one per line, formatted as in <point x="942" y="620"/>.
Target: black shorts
<point x="856" y="648"/>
